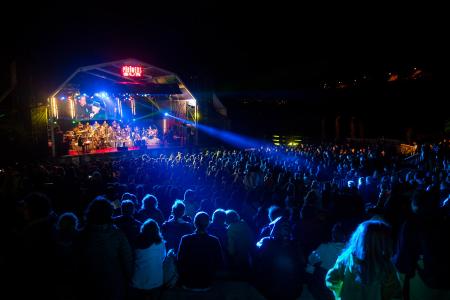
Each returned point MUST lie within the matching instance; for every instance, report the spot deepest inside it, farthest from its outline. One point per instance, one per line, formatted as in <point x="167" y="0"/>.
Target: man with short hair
<point x="126" y="221"/>
<point x="176" y="227"/>
<point x="199" y="256"/>
<point x="82" y="108"/>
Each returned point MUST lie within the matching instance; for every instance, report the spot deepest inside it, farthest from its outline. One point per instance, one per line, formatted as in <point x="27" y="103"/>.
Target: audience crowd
<point x="344" y="221"/>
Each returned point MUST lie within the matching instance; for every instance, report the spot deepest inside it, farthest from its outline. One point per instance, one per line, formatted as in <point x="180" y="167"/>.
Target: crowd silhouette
<point x="344" y="221"/>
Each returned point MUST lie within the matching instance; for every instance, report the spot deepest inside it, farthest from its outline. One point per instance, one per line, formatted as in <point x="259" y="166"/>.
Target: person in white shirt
<point x="148" y="276"/>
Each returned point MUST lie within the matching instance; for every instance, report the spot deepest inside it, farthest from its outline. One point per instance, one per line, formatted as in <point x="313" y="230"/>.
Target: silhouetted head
<point x="129" y="196"/>
<point x="67" y="223"/>
<point x="189" y="195"/>
<point x="149" y="234"/>
<point x="127" y="208"/>
<point x="99" y="211"/>
<point x="178" y="209"/>
<point x="201" y="221"/>
<point x="232" y="217"/>
<point x="219" y="216"/>
<point x="149" y="202"/>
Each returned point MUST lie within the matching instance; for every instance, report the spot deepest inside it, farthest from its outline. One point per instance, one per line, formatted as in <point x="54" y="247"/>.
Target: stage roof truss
<point x="111" y="71"/>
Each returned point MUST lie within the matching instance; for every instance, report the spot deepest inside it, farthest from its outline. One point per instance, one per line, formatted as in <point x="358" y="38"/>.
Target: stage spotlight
<point x="134" y="120"/>
<point x="166" y="114"/>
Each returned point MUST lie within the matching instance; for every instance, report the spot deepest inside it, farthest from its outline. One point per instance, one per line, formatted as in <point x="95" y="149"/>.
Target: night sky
<point x="234" y="48"/>
<point x="266" y="52"/>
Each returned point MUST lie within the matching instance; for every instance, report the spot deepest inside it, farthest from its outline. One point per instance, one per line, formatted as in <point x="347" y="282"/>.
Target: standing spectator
<point x="218" y="228"/>
<point x="190" y="201"/>
<point x="148" y="264"/>
<point x="423" y="255"/>
<point x="126" y="221"/>
<point x="150" y="210"/>
<point x="274" y="212"/>
<point x="105" y="257"/>
<point x="66" y="233"/>
<point x="364" y="270"/>
<point x="241" y="244"/>
<point x="280" y="263"/>
<point x="174" y="229"/>
<point x="199" y="256"/>
<point x="36" y="258"/>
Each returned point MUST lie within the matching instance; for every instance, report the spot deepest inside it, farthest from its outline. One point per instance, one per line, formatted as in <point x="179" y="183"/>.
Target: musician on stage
<point x="110" y="136"/>
<point x="82" y="109"/>
<point x="97" y="112"/>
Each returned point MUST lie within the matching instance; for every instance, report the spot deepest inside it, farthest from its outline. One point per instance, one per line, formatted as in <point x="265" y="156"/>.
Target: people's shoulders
<point x="188" y="237"/>
<point x="217" y="231"/>
<point x="188" y="227"/>
<point x="213" y="238"/>
<point x="173" y="222"/>
<point x="154" y="248"/>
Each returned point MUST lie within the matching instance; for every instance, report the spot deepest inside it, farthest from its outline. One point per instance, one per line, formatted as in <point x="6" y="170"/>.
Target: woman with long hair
<point x="364" y="269"/>
<point x="150" y="252"/>
<point x="150" y="210"/>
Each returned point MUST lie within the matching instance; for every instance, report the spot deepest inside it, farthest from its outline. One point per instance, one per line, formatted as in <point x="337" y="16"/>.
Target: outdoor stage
<point x="126" y="102"/>
<point x="103" y="151"/>
<point x="133" y="151"/>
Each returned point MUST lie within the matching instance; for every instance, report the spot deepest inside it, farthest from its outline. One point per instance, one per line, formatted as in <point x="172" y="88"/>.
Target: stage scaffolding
<point x="143" y="77"/>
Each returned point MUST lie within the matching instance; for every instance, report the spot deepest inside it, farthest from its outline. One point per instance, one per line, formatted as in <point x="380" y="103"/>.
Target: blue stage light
<point x="228" y="137"/>
<point x="166" y="114"/>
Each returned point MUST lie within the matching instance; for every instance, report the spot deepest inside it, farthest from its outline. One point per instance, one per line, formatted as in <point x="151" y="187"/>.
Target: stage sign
<point x="132" y="71"/>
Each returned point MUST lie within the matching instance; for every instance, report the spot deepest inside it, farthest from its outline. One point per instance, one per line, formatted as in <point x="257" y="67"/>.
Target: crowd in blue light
<point x="282" y="217"/>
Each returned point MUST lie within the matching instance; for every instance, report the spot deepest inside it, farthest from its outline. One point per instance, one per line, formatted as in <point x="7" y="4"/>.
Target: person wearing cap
<point x="97" y="112"/>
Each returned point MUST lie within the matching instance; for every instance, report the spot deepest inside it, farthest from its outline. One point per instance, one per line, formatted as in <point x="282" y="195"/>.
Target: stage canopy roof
<point x="127" y="76"/>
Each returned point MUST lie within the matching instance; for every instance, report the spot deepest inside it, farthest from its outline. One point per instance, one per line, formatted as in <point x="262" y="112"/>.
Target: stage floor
<point x="73" y="153"/>
<point x="99" y="151"/>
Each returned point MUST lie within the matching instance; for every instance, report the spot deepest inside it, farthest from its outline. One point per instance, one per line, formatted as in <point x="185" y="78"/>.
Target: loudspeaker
<point x="122" y="149"/>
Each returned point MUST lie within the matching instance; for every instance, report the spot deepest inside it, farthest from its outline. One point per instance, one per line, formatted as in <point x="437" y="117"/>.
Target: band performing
<point x="84" y="138"/>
